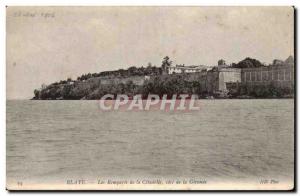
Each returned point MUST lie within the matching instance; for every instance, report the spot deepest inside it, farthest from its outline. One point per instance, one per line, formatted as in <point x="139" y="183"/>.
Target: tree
<point x="36" y="94"/>
<point x="248" y="63"/>
<point x="166" y="63"/>
<point x="132" y="71"/>
<point x="66" y="92"/>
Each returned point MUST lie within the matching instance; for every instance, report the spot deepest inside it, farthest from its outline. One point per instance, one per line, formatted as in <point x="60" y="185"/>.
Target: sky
<point x="48" y="44"/>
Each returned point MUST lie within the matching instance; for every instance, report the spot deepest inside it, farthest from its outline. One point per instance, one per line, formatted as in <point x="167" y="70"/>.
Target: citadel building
<point x="224" y="77"/>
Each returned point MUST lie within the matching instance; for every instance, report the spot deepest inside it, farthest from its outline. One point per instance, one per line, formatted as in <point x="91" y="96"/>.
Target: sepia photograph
<point x="159" y="98"/>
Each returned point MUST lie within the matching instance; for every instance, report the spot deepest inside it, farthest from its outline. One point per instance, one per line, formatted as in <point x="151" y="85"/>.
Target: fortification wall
<point x="137" y="80"/>
<point x="228" y="75"/>
<point x="279" y="76"/>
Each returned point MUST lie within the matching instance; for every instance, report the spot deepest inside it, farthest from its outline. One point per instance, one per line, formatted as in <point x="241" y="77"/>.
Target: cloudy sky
<point x="48" y="44"/>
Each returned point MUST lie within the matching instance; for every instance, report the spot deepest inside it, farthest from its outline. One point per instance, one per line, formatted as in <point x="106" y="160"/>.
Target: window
<point x="248" y="76"/>
<point x="275" y="75"/>
<point x="258" y="76"/>
<point x="253" y="76"/>
<point x="264" y="75"/>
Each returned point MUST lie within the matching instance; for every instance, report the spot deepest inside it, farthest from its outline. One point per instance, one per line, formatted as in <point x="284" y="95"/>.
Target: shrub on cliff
<point x="170" y="84"/>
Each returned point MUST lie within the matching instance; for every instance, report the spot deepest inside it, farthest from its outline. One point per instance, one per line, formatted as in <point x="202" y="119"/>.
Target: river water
<point x="226" y="140"/>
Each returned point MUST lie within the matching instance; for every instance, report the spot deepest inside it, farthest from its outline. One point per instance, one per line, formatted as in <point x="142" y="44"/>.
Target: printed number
<point x="20" y="183"/>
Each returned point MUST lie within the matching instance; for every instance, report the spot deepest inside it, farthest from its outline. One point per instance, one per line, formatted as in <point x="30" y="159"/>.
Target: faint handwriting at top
<point x="34" y="14"/>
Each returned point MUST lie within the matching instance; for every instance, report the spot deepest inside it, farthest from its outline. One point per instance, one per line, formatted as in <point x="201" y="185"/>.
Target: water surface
<point x="227" y="140"/>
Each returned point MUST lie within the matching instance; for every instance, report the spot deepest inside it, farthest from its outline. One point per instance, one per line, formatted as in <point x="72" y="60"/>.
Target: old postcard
<point x="150" y="98"/>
